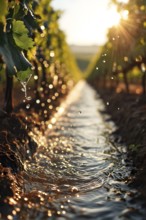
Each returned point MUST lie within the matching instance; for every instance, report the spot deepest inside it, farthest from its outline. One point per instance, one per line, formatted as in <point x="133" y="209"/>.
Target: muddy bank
<point x="128" y="111"/>
<point x="18" y="143"/>
<point x="16" y="146"/>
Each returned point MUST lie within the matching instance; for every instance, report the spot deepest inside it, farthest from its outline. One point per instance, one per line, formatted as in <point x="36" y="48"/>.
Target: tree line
<point x="123" y="57"/>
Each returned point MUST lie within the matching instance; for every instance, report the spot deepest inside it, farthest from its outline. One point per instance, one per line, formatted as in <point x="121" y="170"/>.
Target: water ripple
<point x="80" y="173"/>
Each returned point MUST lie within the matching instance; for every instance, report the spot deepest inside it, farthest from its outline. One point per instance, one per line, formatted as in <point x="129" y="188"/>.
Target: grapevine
<point x="31" y="43"/>
<point x="125" y="51"/>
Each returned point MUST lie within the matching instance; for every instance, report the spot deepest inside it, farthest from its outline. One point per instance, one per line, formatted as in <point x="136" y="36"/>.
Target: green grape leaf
<point x="24" y="76"/>
<point x="20" y="35"/>
<point x="5" y="52"/>
<point x="3" y="10"/>
<point x="19" y="59"/>
<point x="14" y="59"/>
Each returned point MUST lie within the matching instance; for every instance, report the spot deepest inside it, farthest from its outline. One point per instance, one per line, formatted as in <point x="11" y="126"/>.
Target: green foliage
<point x="14" y="36"/>
<point x="23" y="75"/>
<point x="3" y="10"/>
<point x="126" y="46"/>
<point x="30" y="38"/>
<point x="12" y="56"/>
<point x="20" y="35"/>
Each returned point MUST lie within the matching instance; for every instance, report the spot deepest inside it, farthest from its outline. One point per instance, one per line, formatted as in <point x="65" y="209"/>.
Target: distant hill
<point x="93" y="49"/>
<point x="83" y="55"/>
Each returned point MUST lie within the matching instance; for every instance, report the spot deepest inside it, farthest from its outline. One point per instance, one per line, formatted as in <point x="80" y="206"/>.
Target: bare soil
<point x="128" y="111"/>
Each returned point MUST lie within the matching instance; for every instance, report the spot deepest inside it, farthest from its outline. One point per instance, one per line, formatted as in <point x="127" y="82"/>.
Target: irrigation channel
<point x="80" y="174"/>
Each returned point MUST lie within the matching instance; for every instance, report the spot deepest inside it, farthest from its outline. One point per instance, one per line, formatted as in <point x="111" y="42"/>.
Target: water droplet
<point x="60" y="110"/>
<point x="126" y="59"/>
<point x="42" y="27"/>
<point x="27" y="106"/>
<point x="50" y="86"/>
<point x="143" y="67"/>
<point x="24" y="87"/>
<point x="53" y="120"/>
<point x="50" y="126"/>
<point x="43" y="105"/>
<point x="52" y="54"/>
<point x="49" y="213"/>
<point x="38" y="101"/>
<point x="14" y="212"/>
<point x="28" y="98"/>
<point x="10" y="217"/>
<point x="35" y="77"/>
<point x="50" y="107"/>
<point x="74" y="189"/>
<point x="23" y="90"/>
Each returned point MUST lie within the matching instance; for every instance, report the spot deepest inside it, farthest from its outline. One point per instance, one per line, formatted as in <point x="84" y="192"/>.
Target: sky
<point x="85" y="22"/>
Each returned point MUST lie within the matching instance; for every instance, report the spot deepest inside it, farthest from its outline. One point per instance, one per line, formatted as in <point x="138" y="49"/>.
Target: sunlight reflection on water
<point x="78" y="174"/>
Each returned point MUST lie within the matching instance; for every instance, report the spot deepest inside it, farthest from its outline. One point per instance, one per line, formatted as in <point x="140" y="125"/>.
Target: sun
<point x="86" y="23"/>
<point x="113" y="17"/>
<point x="123" y="1"/>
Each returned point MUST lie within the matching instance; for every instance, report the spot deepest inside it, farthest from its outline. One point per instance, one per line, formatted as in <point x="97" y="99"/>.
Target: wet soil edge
<point x="128" y="111"/>
<point x="17" y="146"/>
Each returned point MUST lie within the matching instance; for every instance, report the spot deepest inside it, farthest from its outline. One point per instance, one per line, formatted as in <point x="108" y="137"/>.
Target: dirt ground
<point x="128" y="111"/>
<point x="16" y="143"/>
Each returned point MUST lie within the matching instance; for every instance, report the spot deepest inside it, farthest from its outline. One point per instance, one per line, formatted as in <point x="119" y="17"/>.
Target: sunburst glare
<point x="86" y="23"/>
<point x="112" y="17"/>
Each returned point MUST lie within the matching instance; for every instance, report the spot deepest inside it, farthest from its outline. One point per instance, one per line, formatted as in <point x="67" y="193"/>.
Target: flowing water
<point x="80" y="173"/>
